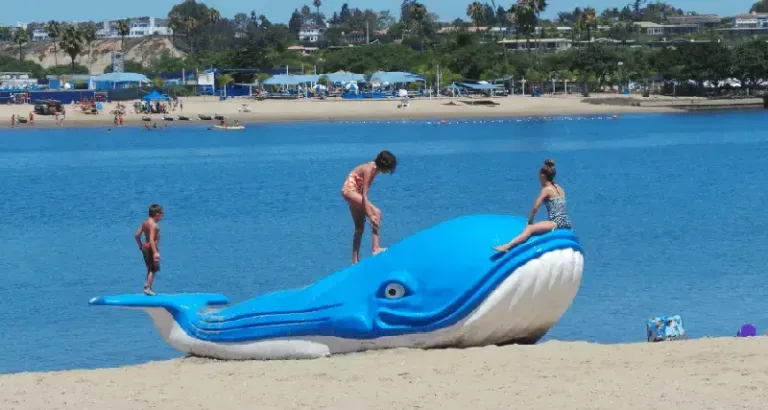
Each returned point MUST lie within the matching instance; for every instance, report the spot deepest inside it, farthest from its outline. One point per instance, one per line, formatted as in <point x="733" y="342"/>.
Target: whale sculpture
<point x="441" y="287"/>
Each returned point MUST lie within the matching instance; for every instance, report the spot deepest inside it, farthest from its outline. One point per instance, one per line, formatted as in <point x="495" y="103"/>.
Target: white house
<point x="40" y="34"/>
<point x="751" y="20"/>
<point x="139" y="27"/>
<point x="311" y="33"/>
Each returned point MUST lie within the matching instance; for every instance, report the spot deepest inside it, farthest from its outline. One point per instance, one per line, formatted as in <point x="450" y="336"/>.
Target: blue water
<point x="669" y="209"/>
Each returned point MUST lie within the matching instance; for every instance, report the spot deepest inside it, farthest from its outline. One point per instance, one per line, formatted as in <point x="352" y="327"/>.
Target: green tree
<point x="476" y="12"/>
<point x="123" y="29"/>
<point x="588" y="21"/>
<point x="71" y="42"/>
<point x="759" y="7"/>
<point x="750" y="62"/>
<point x="88" y="32"/>
<point x="54" y="31"/>
<point x="20" y="37"/>
<point x="317" y="4"/>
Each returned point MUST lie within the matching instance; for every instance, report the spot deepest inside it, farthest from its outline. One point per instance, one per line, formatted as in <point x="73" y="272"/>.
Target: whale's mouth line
<point x="216" y="317"/>
<point x="274" y="324"/>
<point x="396" y="319"/>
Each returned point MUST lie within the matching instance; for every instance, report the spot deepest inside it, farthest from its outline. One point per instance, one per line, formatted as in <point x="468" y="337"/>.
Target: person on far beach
<point x="149" y="249"/>
<point x="13" y="121"/>
<point x="355" y="192"/>
<point x="553" y="197"/>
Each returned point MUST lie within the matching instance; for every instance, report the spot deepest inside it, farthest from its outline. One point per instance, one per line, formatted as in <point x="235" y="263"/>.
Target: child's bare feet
<point x="501" y="248"/>
<point x="148" y="291"/>
<point x="378" y="251"/>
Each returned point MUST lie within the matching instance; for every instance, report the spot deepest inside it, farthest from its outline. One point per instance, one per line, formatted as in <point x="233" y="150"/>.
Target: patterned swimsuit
<point x="556" y="210"/>
<point x="354" y="181"/>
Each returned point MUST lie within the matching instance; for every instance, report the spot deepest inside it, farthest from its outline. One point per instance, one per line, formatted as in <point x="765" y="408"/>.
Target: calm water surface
<point x="669" y="209"/>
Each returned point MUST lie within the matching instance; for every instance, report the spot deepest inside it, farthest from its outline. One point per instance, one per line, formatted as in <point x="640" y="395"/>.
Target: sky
<point x="279" y="11"/>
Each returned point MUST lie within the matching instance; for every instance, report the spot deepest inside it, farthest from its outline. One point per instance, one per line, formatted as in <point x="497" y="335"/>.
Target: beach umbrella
<point x="351" y="87"/>
<point x="402" y="93"/>
<point x="319" y="87"/>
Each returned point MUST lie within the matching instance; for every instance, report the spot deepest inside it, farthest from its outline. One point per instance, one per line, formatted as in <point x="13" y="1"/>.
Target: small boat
<point x="229" y="127"/>
<point x="218" y="117"/>
<point x="166" y="118"/>
<point x="183" y="118"/>
<point x="145" y="118"/>
<point x="204" y="117"/>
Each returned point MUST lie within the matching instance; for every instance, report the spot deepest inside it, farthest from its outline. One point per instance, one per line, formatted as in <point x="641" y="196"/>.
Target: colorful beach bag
<point x="664" y="328"/>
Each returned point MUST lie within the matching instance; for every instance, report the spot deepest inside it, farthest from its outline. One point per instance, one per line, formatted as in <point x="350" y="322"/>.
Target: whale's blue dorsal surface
<point x="428" y="281"/>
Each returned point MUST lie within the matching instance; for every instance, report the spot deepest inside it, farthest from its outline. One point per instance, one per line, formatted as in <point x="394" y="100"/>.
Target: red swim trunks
<point x="149" y="259"/>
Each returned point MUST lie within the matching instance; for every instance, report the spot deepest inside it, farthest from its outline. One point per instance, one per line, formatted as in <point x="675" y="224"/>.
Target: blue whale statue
<point x="441" y="287"/>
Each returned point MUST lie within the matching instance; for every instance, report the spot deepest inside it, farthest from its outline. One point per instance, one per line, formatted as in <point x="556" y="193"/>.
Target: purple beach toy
<point x="747" y="330"/>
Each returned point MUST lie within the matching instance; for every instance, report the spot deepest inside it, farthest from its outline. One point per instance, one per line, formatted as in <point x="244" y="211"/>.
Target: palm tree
<point x="476" y="12"/>
<point x="20" y="37"/>
<point x="418" y="13"/>
<point x="317" y="4"/>
<point x="191" y="24"/>
<point x="54" y="31"/>
<point x="512" y="21"/>
<point x="588" y="20"/>
<point x="536" y="7"/>
<point x="213" y="16"/>
<point x="175" y="23"/>
<point x="526" y="21"/>
<point x="123" y="29"/>
<point x="88" y="32"/>
<point x="71" y="43"/>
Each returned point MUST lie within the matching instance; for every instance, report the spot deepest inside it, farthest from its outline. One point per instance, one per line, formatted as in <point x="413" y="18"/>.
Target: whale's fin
<point x="180" y="303"/>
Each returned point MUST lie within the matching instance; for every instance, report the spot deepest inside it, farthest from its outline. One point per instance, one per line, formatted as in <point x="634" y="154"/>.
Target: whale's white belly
<point x="522" y="308"/>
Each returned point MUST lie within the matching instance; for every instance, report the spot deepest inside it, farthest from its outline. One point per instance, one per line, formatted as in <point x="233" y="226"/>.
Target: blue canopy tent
<point x="154" y="96"/>
<point x="481" y="87"/>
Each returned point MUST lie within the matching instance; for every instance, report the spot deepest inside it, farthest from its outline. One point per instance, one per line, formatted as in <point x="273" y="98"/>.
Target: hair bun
<point x="549" y="163"/>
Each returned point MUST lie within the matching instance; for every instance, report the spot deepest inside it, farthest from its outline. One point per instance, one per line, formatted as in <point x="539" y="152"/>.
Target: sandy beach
<point x="334" y="110"/>
<point x="710" y="373"/>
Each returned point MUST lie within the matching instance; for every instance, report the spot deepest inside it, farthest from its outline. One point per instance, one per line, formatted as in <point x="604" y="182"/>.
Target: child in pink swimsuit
<point x="355" y="192"/>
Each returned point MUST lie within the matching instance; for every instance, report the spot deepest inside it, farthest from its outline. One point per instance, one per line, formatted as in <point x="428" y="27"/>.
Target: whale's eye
<point x="394" y="291"/>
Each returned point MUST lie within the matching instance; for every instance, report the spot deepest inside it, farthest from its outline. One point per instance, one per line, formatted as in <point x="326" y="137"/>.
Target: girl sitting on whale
<point x="553" y="197"/>
<point x="355" y="192"/>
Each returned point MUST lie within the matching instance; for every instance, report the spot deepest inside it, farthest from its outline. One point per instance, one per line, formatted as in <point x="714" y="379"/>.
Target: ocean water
<point x="669" y="208"/>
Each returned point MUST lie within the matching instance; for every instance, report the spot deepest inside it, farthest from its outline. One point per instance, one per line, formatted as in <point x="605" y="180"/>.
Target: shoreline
<point x="281" y="111"/>
<point x="724" y="372"/>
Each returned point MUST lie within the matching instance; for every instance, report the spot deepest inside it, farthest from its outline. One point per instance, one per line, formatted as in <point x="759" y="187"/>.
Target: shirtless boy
<point x="149" y="248"/>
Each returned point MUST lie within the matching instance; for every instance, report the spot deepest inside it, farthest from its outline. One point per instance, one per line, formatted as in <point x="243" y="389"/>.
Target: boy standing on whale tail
<point x="149" y="249"/>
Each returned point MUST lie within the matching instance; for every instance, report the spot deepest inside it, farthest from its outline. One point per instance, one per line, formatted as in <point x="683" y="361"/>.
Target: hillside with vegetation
<point x="97" y="57"/>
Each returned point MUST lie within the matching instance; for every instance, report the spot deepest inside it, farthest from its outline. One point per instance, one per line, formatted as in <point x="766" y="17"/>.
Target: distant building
<point x="354" y="37"/>
<point x="311" y="33"/>
<point x="703" y="20"/>
<point x="655" y="29"/>
<point x="304" y="50"/>
<point x="139" y="27"/>
<point x="751" y="20"/>
<point x="40" y="34"/>
<point x="551" y="44"/>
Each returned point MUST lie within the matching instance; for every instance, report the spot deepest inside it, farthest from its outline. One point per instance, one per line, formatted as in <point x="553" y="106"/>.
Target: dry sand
<point x="721" y="373"/>
<point x="317" y="110"/>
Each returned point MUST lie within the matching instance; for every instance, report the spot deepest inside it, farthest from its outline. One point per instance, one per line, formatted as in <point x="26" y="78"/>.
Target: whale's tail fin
<point x="180" y="303"/>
